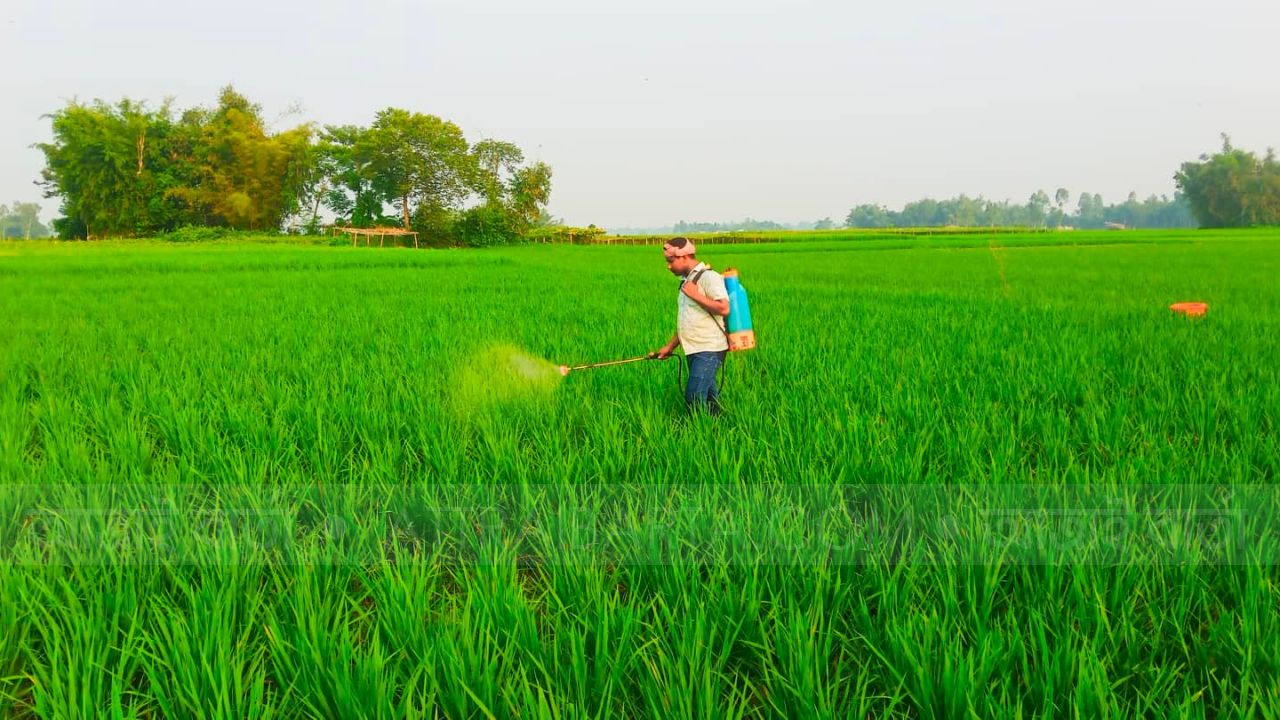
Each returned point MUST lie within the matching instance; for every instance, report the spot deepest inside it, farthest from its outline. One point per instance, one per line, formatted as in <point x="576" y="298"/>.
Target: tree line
<point x="124" y="170"/>
<point x="684" y="228"/>
<point x="1039" y="211"/>
<point x="1231" y="188"/>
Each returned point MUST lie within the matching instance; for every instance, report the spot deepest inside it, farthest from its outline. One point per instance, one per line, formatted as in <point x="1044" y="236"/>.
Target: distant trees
<point x="1091" y="212"/>
<point x="1232" y="188"/>
<point x="21" y="220"/>
<point x="684" y="228"/>
<point x="745" y="225"/>
<point x="870" y="216"/>
<point x="1037" y="208"/>
<point x="125" y="170"/>
<point x="1039" y="211"/>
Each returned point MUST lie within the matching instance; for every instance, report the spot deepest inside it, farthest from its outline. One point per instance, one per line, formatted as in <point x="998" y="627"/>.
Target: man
<point x="701" y="308"/>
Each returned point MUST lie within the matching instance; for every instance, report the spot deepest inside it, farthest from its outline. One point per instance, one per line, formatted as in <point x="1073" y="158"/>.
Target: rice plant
<point x="245" y="480"/>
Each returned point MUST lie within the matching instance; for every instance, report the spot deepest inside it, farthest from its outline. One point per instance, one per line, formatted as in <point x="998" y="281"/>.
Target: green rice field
<point x="982" y="476"/>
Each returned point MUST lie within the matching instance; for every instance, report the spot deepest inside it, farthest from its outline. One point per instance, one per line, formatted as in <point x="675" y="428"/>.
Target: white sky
<point x="653" y="111"/>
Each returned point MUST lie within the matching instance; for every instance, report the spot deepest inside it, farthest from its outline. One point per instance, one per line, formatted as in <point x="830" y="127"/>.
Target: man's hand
<point x="696" y="295"/>
<point x="665" y="351"/>
<point x="717" y="307"/>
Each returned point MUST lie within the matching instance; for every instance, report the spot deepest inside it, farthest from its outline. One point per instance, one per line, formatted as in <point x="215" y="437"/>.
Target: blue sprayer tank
<point x="738" y="325"/>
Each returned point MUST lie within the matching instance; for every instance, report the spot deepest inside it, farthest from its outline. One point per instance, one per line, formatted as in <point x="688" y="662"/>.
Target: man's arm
<point x="666" y="350"/>
<point x="715" y="307"/>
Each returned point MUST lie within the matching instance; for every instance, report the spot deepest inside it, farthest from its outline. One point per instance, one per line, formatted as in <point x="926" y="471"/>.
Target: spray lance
<point x="565" y="369"/>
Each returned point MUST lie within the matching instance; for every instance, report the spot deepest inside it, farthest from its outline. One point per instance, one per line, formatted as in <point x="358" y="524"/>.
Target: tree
<point x="125" y="170"/>
<point x="342" y="157"/>
<point x="28" y="216"/>
<point x="530" y="193"/>
<point x="1037" y="206"/>
<point x="869" y="216"/>
<point x="1174" y="214"/>
<point x="1127" y="213"/>
<point x="21" y="221"/>
<point x="922" y="213"/>
<point x="238" y="176"/>
<point x="417" y="158"/>
<point x="487" y="224"/>
<point x="1060" y="198"/>
<point x="1232" y="188"/>
<point x="497" y="162"/>
<point x="109" y="165"/>
<point x="1089" y="211"/>
<point x="1003" y="213"/>
<point x="824" y="224"/>
<point x="303" y="183"/>
<point x="963" y="210"/>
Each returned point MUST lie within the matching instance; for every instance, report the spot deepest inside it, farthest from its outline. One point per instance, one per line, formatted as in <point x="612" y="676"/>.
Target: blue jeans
<point x="701" y="389"/>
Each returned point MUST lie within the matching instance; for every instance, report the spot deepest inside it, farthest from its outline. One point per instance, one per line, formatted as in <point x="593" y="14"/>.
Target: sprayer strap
<point x="724" y="328"/>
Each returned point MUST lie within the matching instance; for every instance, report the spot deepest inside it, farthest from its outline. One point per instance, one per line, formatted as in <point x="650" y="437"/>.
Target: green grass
<point x="983" y="476"/>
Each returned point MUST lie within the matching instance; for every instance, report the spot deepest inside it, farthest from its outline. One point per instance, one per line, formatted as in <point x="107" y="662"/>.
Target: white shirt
<point x="698" y="329"/>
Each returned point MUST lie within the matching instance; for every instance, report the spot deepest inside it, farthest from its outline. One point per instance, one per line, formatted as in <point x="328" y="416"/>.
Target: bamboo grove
<point x="126" y="170"/>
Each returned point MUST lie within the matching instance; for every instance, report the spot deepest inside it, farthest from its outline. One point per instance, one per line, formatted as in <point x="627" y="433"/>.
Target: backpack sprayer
<point x="737" y="330"/>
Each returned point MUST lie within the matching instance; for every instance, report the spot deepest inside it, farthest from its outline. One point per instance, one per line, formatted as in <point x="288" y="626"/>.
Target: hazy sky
<point x="653" y="111"/>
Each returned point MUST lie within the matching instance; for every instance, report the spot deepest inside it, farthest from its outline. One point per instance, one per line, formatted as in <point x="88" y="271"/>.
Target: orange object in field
<point x="1190" y="309"/>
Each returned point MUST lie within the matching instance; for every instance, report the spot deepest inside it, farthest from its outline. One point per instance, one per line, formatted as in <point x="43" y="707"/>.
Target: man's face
<point x="679" y="265"/>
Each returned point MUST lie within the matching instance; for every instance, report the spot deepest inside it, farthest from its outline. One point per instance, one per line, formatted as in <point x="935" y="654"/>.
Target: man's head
<point x="679" y="253"/>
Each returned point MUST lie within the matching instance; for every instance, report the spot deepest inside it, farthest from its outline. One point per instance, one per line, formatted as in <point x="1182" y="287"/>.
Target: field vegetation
<point x="980" y="476"/>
